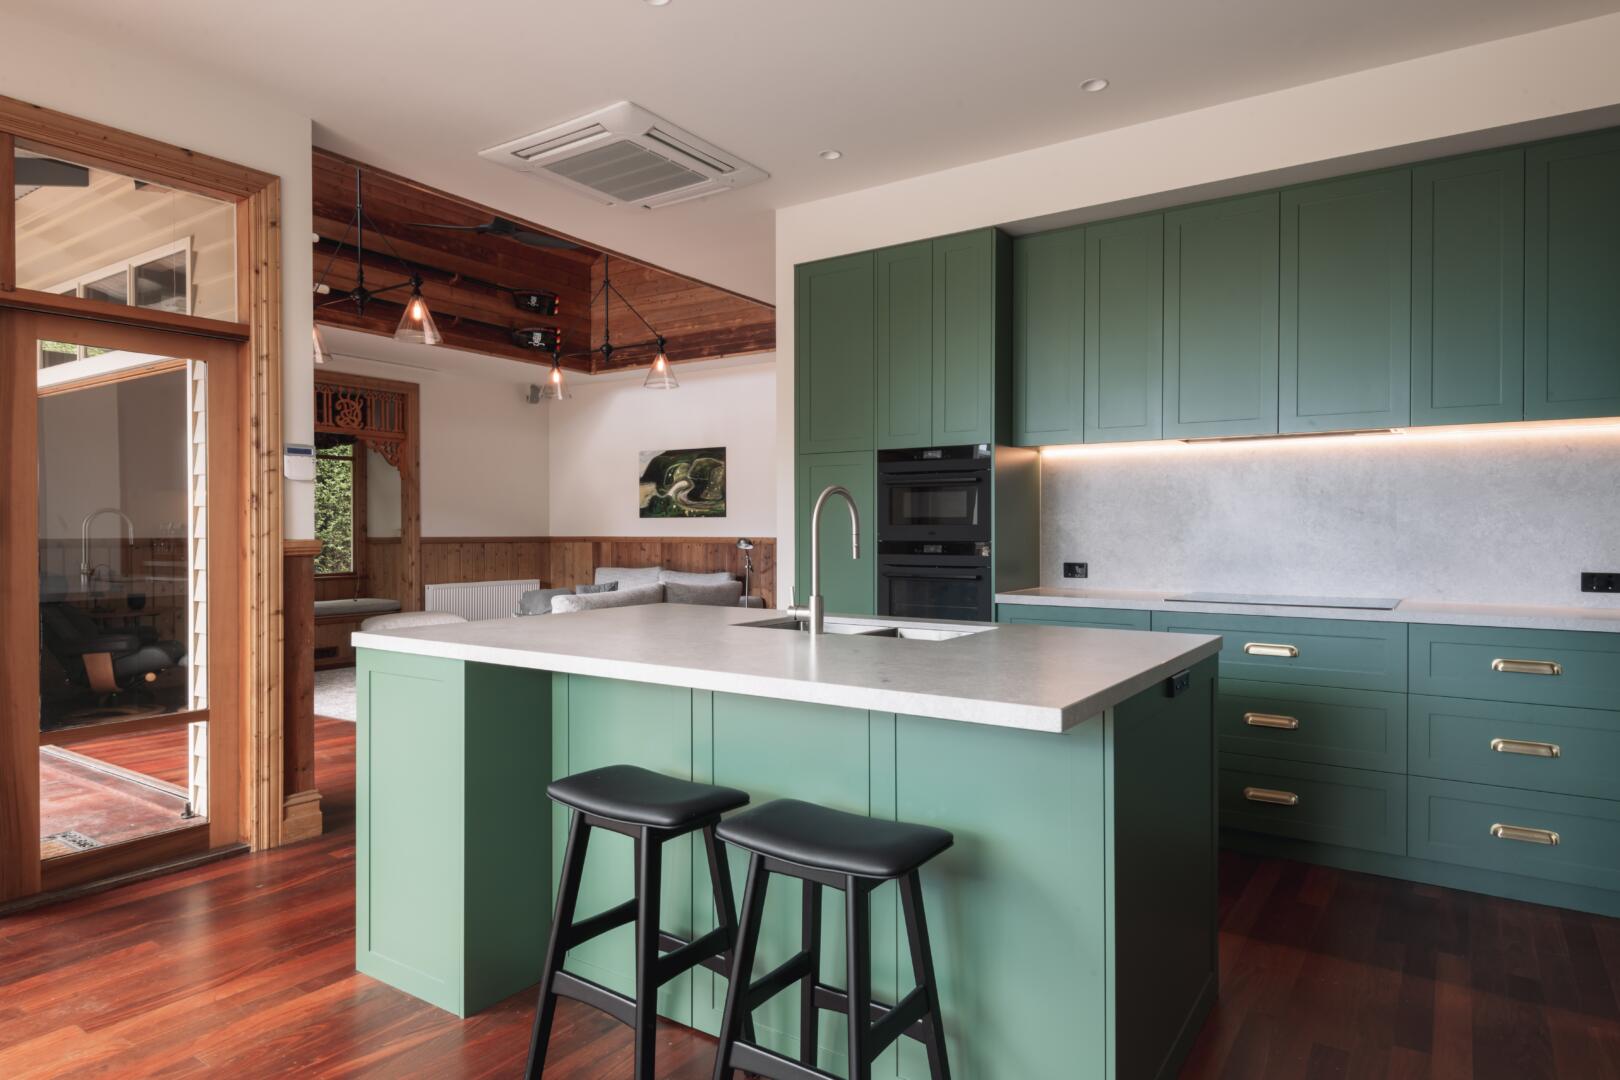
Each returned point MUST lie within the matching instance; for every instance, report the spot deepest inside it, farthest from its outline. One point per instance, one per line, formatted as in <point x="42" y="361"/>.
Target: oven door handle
<point x="945" y="575"/>
<point x="935" y="480"/>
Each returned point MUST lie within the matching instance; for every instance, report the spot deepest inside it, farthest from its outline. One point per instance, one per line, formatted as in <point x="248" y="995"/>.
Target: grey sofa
<point x="633" y="585"/>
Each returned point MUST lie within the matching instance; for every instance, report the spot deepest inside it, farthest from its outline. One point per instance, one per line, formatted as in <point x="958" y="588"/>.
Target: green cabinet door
<point x="1468" y="290"/>
<point x="905" y="345"/>
<point x="848" y="585"/>
<point x="1048" y="378"/>
<point x="1346" y="304"/>
<point x="970" y="335"/>
<point x="833" y="346"/>
<point x="1572" y="278"/>
<point x="1124" y="329"/>
<point x="1220" y="318"/>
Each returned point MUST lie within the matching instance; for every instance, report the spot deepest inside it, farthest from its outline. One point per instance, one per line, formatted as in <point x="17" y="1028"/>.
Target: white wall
<point x="596" y="437"/>
<point x="213" y="115"/>
<point x="1403" y="109"/>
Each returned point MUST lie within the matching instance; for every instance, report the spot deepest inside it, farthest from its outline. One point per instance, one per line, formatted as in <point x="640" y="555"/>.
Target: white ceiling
<point x="902" y="87"/>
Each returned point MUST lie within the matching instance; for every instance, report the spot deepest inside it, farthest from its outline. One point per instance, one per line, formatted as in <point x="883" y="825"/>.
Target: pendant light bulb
<point x="416" y="325"/>
<point x="554" y="390"/>
<point x="661" y="376"/>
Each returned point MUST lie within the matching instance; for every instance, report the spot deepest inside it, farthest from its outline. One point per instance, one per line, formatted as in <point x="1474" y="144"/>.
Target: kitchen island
<point x="1074" y="921"/>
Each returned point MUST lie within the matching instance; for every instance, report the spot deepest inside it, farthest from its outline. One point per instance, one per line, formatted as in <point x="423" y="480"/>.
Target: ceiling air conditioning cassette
<point x="625" y="154"/>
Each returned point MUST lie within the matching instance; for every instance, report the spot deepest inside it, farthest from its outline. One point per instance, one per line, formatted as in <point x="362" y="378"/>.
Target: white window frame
<point x="77" y="284"/>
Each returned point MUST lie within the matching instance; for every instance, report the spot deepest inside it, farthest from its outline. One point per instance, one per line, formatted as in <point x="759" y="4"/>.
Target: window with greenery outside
<point x="334" y="503"/>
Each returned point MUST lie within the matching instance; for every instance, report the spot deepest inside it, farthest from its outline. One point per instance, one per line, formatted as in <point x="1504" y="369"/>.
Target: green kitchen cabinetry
<point x="1572" y="294"/>
<point x="1346" y="304"/>
<point x="1355" y="808"/>
<point x="1537" y="747"/>
<point x="848" y="585"/>
<point x="833" y="354"/>
<point x="1344" y="653"/>
<point x="1124" y="329"/>
<point x="1468" y="290"/>
<point x="1537" y="667"/>
<point x="1049" y="273"/>
<point x="905" y="345"/>
<point x="1057" y="615"/>
<point x="972" y="382"/>
<point x="1220" y="318"/>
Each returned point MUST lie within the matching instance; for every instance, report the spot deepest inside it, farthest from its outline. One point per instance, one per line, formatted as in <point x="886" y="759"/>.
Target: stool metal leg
<point x="858" y="943"/>
<point x="742" y="966"/>
<point x="809" y="1026"/>
<point x="573" y="867"/>
<point x="725" y="906"/>
<point x="649" y="889"/>
<point x="922" y="966"/>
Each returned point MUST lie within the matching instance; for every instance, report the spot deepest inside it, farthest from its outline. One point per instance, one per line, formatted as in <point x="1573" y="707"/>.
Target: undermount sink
<point x="863" y="629"/>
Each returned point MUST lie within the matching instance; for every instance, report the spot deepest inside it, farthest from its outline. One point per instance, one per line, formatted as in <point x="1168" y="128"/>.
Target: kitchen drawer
<point x="1312" y="652"/>
<point x="1363" y="729"/>
<point x="1456" y="823"/>
<point x="1053" y="615"/>
<point x="1563" y="667"/>
<point x="1539" y="747"/>
<point x="1356" y="808"/>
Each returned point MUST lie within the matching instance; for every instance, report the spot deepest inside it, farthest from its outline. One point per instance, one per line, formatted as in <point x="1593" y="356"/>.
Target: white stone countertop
<point x="1513" y="616"/>
<point x="1038" y="678"/>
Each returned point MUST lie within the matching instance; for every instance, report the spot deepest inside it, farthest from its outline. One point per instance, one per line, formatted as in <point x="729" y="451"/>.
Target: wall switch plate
<point x="1075" y="569"/>
<point x="1595" y="582"/>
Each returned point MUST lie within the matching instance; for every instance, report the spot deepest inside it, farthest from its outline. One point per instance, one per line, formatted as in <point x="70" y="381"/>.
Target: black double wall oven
<point x="933" y="532"/>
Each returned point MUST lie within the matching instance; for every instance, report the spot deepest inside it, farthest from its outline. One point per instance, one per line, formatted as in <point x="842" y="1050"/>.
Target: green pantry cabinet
<point x="902" y="347"/>
<point x="1471" y="290"/>
<point x="1472" y="757"/>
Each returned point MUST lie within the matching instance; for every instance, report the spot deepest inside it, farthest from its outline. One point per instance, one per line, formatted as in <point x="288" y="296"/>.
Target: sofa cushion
<point x="641" y="594"/>
<point x="713" y="593"/>
<point x="538" y="601"/>
<point x="627" y="576"/>
<point x="406" y="620"/>
<point x="687" y="577"/>
<point x="586" y="590"/>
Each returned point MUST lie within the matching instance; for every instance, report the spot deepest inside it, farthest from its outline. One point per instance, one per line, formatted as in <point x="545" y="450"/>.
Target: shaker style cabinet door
<point x="1346" y="304"/>
<point x="848" y="585"/>
<point x="1220" y="318"/>
<point x="905" y="345"/>
<point x="833" y="347"/>
<point x="967" y="333"/>
<point x="1468" y="290"/>
<point x="1049" y="306"/>
<point x="1572" y="278"/>
<point x="1125" y="329"/>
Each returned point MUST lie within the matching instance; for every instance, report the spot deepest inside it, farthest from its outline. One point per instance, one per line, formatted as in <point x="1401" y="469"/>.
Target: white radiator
<point x="479" y="599"/>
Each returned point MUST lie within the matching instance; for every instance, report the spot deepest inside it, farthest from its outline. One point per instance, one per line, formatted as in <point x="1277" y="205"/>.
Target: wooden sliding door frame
<point x="256" y="465"/>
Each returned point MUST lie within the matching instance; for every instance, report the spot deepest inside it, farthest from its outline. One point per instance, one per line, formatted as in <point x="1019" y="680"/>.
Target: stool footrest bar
<point x="832" y="999"/>
<point x="761" y="1062"/>
<point x="685" y="957"/>
<point x="900" y="1019"/>
<point x="597" y="996"/>
<point x="719" y="963"/>
<point x="599" y="924"/>
<point x="783" y="976"/>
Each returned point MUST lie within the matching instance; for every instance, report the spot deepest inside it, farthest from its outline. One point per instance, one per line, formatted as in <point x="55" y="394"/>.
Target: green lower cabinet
<point x="1324" y="804"/>
<point x="848" y="585"/>
<point x="1536" y="747"/>
<point x="1312" y="652"/>
<point x="1363" y="729"/>
<point x="1558" y="838"/>
<point x="1124" y="327"/>
<point x="1572" y="276"/>
<point x="1049" y="401"/>
<point x="1056" y="615"/>
<point x="1538" y="667"/>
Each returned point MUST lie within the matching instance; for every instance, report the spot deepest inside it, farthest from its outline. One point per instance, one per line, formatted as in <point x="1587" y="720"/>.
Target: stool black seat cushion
<point x="815" y="836"/>
<point x="643" y="797"/>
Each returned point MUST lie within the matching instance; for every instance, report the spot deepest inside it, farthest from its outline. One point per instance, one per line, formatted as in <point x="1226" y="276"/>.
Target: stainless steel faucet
<point x="85" y="573"/>
<point x="817" y="610"/>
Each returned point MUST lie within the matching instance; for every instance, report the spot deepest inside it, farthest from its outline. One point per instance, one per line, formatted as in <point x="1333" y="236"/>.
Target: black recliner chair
<point x="101" y="660"/>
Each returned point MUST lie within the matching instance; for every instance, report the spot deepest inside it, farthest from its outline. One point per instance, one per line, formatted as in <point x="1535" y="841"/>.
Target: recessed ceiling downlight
<point x="831" y="155"/>
<point x="1090" y="86"/>
<point x="656" y="3"/>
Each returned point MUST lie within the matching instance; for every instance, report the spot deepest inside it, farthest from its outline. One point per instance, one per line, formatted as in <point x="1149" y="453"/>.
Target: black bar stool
<point x="652" y="809"/>
<point x="819" y="846"/>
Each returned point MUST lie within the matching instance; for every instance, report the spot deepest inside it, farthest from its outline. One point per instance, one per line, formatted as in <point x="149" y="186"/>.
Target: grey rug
<point x="334" y="693"/>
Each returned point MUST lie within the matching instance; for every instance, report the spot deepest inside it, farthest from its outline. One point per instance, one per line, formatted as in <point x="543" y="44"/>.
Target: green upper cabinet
<point x="905" y="345"/>
<point x="1220" y="318"/>
<point x="1346" y="304"/>
<point x="848" y="585"/>
<point x="1049" y="404"/>
<point x="833" y="346"/>
<point x="1572" y="278"/>
<point x="971" y="332"/>
<point x="1124" y="329"/>
<point x="1468" y="290"/>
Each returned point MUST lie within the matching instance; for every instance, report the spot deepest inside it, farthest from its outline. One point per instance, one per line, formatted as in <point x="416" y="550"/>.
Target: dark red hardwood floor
<point x="244" y="968"/>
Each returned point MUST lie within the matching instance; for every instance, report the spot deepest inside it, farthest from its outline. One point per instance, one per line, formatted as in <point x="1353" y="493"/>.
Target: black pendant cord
<point x="360" y="295"/>
<point x="607" y="348"/>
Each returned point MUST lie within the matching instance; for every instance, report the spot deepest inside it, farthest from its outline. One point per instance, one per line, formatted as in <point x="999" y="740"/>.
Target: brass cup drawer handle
<point x="1527" y="748"/>
<point x="1527" y="667"/>
<point x="1265" y="648"/>
<point x="1525" y="835"/>
<point x="1268" y="720"/>
<point x="1268" y="795"/>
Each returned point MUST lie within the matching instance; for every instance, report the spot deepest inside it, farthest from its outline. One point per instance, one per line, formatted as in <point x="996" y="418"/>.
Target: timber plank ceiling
<point x="468" y="278"/>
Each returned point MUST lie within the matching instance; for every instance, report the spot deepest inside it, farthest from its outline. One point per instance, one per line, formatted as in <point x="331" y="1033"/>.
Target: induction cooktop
<point x="1259" y="599"/>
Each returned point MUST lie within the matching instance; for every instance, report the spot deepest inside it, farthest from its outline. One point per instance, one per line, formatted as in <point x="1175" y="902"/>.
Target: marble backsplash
<point x="1508" y="516"/>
